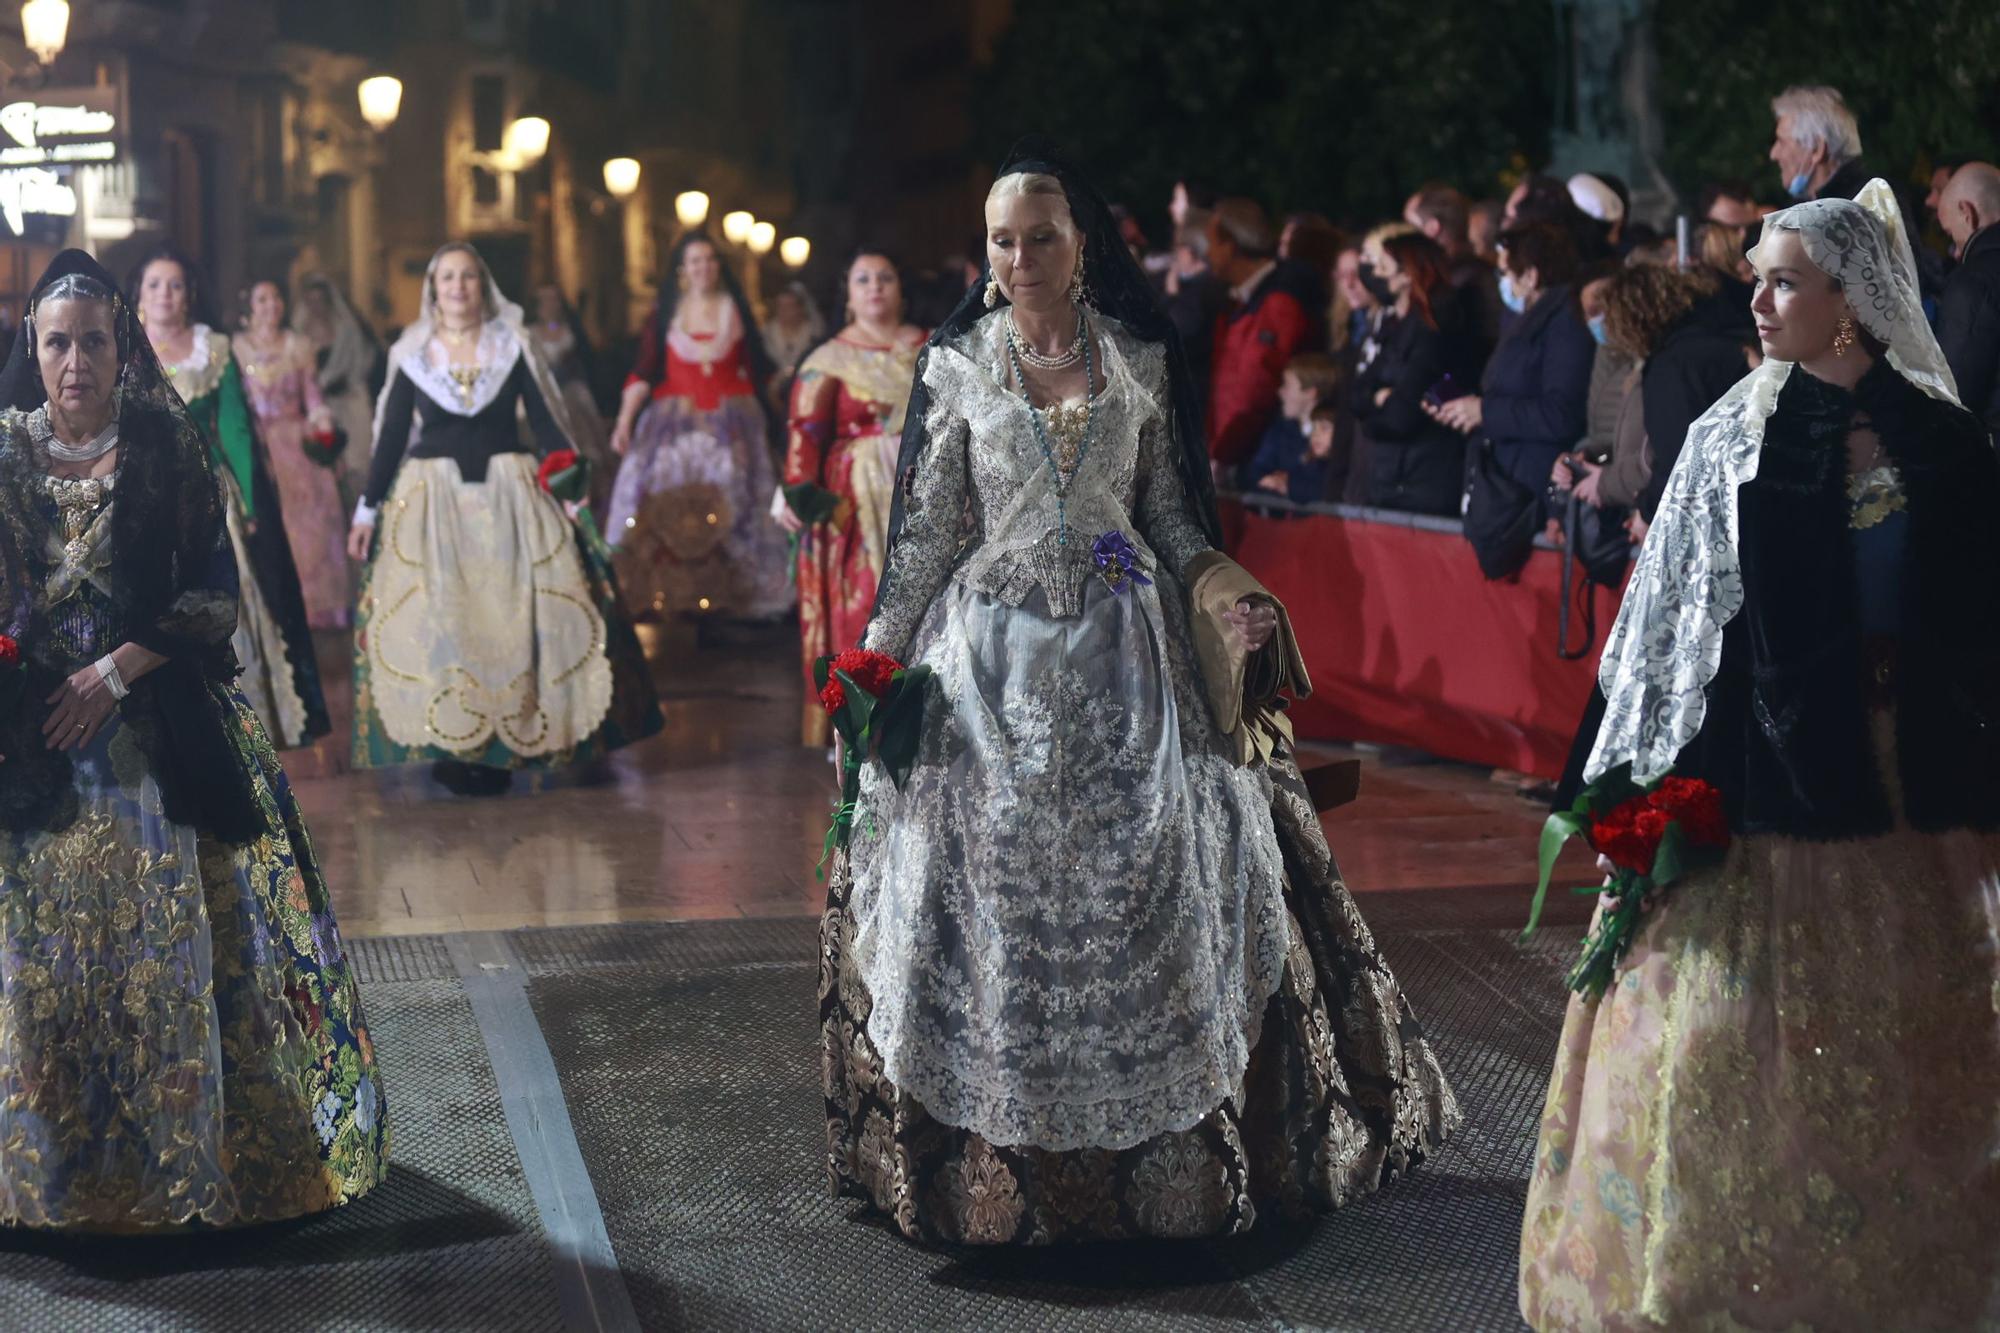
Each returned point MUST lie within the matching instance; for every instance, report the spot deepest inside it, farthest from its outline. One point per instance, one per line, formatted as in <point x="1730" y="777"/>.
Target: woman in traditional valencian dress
<point x="689" y="511"/>
<point x="278" y="375"/>
<point x="347" y="359"/>
<point x="181" y="1038"/>
<point x="489" y="632"/>
<point x="1781" y="1114"/>
<point x="273" y="641"/>
<point x="1091" y="972"/>
<point x="795" y="328"/>
<point x="846" y="427"/>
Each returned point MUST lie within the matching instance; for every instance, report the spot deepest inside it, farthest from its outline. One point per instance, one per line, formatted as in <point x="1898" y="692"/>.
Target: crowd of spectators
<point x="1505" y="359"/>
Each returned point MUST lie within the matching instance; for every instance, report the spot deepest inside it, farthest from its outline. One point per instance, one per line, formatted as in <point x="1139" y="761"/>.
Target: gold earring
<point x="1076" y="281"/>
<point x="1843" y="337"/>
<point x="992" y="292"/>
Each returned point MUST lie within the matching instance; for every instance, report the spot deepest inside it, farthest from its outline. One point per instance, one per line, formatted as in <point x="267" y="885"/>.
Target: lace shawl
<point x="984" y="458"/>
<point x="1666" y="645"/>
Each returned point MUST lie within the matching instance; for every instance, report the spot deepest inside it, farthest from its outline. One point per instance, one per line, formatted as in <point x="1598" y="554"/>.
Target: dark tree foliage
<point x="1339" y="106"/>
<point x="1923" y="78"/>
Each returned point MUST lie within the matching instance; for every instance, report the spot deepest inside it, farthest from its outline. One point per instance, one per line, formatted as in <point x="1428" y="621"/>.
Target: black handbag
<point x="1596" y="539"/>
<point x="1501" y="515"/>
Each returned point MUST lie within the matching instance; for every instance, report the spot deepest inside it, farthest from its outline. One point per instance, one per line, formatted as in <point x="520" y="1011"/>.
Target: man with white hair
<point x="1817" y="146"/>
<point x="1968" y="324"/>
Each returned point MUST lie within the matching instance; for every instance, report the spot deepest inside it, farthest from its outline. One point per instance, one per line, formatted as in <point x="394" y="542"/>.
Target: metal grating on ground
<point x="690" y="1063"/>
<point x="450" y="1241"/>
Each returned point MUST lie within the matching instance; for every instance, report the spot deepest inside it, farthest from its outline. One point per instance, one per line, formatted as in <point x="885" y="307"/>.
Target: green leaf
<point x="812" y="503"/>
<point x="860" y="703"/>
<point x="1559" y="829"/>
<point x="1670" y="862"/>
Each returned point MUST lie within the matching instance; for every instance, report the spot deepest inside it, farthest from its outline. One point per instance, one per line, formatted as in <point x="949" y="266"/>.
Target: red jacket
<point x="1253" y="344"/>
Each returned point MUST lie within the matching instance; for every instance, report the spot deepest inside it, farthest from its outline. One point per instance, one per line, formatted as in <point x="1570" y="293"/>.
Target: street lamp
<point x="45" y="27"/>
<point x="762" y="237"/>
<point x="621" y="177"/>
<point x="795" y="250"/>
<point x="381" y="100"/>
<point x="691" y="207"/>
<point x="736" y="226"/>
<point x="525" y="142"/>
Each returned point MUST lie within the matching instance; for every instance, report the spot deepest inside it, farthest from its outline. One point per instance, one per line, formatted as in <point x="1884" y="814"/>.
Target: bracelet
<point x="107" y="671"/>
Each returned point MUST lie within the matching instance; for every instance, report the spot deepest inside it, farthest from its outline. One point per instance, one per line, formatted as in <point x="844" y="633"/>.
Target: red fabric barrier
<point x="1408" y="644"/>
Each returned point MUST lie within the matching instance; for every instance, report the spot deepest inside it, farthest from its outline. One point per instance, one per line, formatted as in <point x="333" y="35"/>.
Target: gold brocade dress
<point x="1782" y="1113"/>
<point x="181" y="1033"/>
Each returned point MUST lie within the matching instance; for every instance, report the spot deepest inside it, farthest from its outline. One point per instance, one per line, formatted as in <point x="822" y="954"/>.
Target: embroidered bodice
<point x="282" y="385"/>
<point x="201" y="373"/>
<point x="983" y="463"/>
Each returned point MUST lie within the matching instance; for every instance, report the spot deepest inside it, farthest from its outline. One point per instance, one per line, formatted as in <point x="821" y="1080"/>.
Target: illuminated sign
<point x="67" y="126"/>
<point x="41" y="139"/>
<point x="25" y="190"/>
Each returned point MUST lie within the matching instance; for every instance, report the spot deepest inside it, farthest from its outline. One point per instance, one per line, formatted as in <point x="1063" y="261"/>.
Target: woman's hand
<point x="1589" y="488"/>
<point x="1382" y="395"/>
<point x="1277" y="483"/>
<point x="78" y="710"/>
<point x="359" y="538"/>
<point x="1636" y="527"/>
<point x="1461" y="414"/>
<point x="783" y="515"/>
<point x="621" y="436"/>
<point x="1559" y="475"/>
<point x="1254" y="623"/>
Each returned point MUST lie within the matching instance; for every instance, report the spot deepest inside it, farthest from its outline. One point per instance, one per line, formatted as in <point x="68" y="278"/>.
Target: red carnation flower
<point x="562" y="460"/>
<point x="10" y="651"/>
<point x="1629" y="836"/>
<point x="872" y="671"/>
<point x="1696" y="807"/>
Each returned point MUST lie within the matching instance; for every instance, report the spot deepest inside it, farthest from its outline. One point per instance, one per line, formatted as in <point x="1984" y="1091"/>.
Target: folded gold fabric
<point x="1244" y="688"/>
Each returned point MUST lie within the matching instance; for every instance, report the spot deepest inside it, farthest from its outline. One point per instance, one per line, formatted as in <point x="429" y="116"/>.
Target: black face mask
<point x="1376" y="285"/>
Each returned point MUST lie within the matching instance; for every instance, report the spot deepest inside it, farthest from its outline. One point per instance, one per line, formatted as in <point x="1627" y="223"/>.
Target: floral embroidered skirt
<point x="1341" y="1093"/>
<point x="181" y="1036"/>
<point x="691" y="513"/>
<point x="1785" y="1112"/>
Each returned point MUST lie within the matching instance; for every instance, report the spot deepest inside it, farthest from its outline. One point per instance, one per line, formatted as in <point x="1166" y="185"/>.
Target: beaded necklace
<point x="1062" y="480"/>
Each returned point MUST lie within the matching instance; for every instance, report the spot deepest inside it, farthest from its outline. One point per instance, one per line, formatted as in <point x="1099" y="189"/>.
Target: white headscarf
<point x="1667" y="643"/>
<point x="504" y="330"/>
<point x="351" y="349"/>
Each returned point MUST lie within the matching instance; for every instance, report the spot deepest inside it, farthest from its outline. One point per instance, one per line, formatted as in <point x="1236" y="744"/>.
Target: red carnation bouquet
<point x="566" y="476"/>
<point x="1652" y="836"/>
<point x="876" y="703"/>
<point x="324" y="445"/>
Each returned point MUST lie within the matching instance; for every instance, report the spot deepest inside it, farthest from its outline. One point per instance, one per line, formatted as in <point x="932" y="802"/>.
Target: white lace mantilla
<point x="499" y="349"/>
<point x="1071" y="920"/>
<point x="1666" y="645"/>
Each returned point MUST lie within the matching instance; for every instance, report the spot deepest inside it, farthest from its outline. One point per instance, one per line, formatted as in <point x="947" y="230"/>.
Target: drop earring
<point x="1076" y="281"/>
<point x="1843" y="337"/>
<point x="992" y="292"/>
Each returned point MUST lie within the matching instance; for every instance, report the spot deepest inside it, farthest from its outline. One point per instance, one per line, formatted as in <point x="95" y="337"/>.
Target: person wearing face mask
<point x="1416" y="463"/>
<point x="1817" y="148"/>
<point x="273" y="639"/>
<point x="1779" y="1113"/>
<point x="1968" y="324"/>
<point x="1533" y="399"/>
<point x="489" y="635"/>
<point x="1610" y="372"/>
<point x="690" y="510"/>
<point x="840" y="466"/>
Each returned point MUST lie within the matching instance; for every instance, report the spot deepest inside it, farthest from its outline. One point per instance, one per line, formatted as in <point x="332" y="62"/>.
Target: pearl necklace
<point x="1060" y="361"/>
<point x="1061" y="478"/>
<point x="44" y="434"/>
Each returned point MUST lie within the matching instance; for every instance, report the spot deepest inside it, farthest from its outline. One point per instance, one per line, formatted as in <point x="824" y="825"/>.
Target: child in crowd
<point x="1293" y="460"/>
